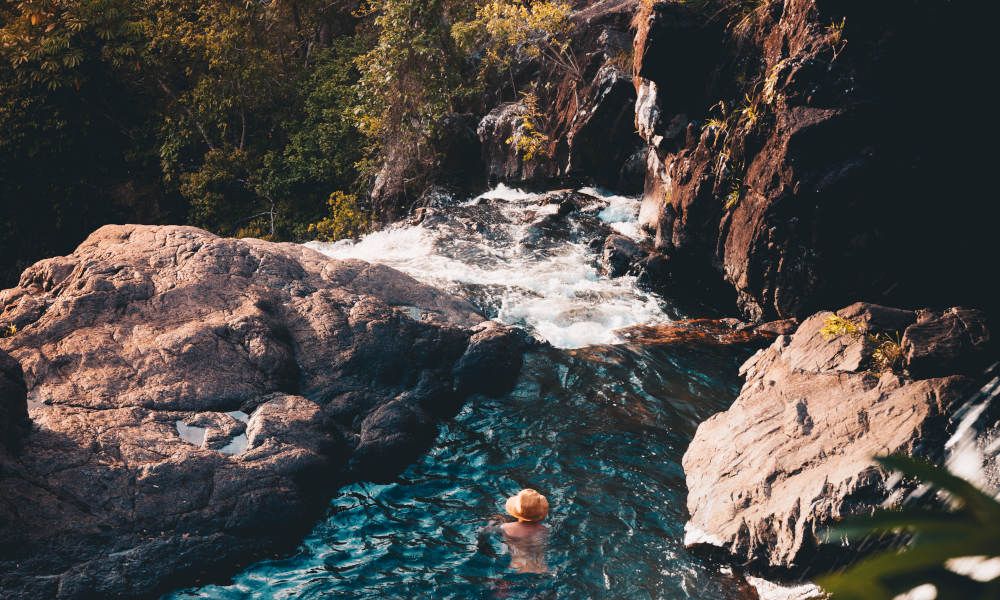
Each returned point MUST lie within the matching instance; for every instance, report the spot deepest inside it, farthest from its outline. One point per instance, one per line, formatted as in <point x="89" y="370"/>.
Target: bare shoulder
<point x="524" y="530"/>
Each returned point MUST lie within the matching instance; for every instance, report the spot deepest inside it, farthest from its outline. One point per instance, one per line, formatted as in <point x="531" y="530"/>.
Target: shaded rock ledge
<point x="196" y="399"/>
<point x="794" y="452"/>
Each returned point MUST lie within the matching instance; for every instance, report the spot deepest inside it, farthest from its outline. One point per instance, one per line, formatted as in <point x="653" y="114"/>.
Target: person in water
<point x="526" y="538"/>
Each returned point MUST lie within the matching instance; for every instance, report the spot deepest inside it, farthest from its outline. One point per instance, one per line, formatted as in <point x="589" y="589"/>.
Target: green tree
<point x="76" y="146"/>
<point x="409" y="81"/>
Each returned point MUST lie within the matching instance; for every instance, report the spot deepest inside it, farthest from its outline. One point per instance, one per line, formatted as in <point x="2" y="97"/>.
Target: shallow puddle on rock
<point x="191" y="434"/>
<point x="195" y="435"/>
<point x="239" y="415"/>
<point x="236" y="445"/>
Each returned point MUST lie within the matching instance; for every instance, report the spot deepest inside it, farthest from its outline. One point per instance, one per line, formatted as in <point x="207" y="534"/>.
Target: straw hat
<point x="528" y="505"/>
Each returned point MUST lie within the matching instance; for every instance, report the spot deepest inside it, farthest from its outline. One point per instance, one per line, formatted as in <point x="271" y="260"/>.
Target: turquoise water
<point x="600" y="431"/>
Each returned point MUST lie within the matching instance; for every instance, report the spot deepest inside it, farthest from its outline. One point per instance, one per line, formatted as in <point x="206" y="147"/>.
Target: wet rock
<point x="196" y="400"/>
<point x="552" y="227"/>
<point x="492" y="362"/>
<point x="794" y="452"/>
<point x="13" y="403"/>
<point x="953" y="341"/>
<point x="698" y="332"/>
<point x="620" y="254"/>
<point x="782" y="327"/>
<point x="569" y="201"/>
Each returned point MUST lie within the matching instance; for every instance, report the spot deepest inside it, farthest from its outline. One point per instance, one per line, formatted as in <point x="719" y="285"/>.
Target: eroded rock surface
<point x="794" y="453"/>
<point x="195" y="399"/>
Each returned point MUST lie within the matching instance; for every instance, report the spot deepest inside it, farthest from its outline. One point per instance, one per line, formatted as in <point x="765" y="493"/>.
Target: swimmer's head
<point x="528" y="505"/>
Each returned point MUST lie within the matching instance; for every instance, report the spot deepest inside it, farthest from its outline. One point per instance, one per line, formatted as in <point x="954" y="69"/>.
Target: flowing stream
<point x="596" y="424"/>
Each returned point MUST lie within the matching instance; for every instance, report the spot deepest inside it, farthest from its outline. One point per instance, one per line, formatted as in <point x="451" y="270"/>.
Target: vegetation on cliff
<point x="242" y="118"/>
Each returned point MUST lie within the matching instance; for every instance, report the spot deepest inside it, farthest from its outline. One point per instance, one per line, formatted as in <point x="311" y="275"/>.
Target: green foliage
<point x="219" y="192"/>
<point x="7" y="330"/>
<point x="240" y="117"/>
<point x="345" y="219"/>
<point x="733" y="197"/>
<point x="508" y="31"/>
<point x="888" y="352"/>
<point x="835" y="36"/>
<point x="76" y="149"/>
<point x="529" y="141"/>
<point x="408" y="82"/>
<point x="970" y="527"/>
<point x="53" y="44"/>
<point x="230" y="115"/>
<point x="835" y="326"/>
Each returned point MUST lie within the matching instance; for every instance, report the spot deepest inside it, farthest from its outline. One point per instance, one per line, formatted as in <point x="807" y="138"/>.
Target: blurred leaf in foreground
<point x="969" y="527"/>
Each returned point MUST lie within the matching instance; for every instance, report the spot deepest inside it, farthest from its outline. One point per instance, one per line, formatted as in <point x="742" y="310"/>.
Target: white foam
<point x="980" y="568"/>
<point x="621" y="213"/>
<point x="502" y="192"/>
<point x="769" y="590"/>
<point x="973" y="454"/>
<point x="559" y="294"/>
<point x="695" y="536"/>
<point x="926" y="591"/>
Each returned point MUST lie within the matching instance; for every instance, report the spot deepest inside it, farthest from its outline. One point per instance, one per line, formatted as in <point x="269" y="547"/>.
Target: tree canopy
<point x="273" y="119"/>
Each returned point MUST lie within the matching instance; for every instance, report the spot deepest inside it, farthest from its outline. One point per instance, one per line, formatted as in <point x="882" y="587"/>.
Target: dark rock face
<point x="688" y="282"/>
<point x="953" y="341"/>
<point x="815" y="190"/>
<point x="196" y="399"/>
<point x="794" y="453"/>
<point x="602" y="143"/>
<point x="497" y="132"/>
<point x="587" y="117"/>
<point x="13" y="402"/>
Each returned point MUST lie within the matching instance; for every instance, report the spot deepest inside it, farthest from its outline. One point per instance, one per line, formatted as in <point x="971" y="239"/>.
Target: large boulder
<point x="196" y="399"/>
<point x="794" y="452"/>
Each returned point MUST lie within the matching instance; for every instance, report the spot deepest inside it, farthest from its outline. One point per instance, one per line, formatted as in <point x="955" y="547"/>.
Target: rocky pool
<point x="596" y="424"/>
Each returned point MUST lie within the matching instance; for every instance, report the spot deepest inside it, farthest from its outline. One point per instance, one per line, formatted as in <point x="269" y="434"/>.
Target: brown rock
<point x="794" y="453"/>
<point x="875" y="318"/>
<point x="196" y="399"/>
<point x="782" y="327"/>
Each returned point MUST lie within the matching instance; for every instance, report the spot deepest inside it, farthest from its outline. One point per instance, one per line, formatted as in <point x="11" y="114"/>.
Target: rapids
<point x="505" y="252"/>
